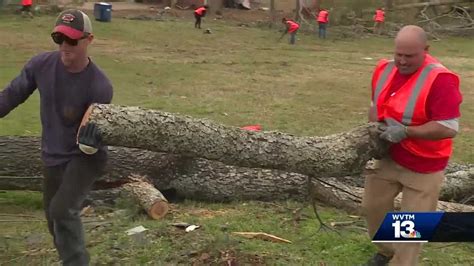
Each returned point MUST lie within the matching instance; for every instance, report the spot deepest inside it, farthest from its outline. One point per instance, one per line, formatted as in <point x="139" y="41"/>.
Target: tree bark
<point x="272" y="11"/>
<point x="298" y="10"/>
<point x="459" y="185"/>
<point x="193" y="178"/>
<point x="20" y="162"/>
<point x="336" y="194"/>
<point x="335" y="155"/>
<point x="317" y="4"/>
<point x="148" y="197"/>
<point x="33" y="183"/>
<point x="388" y="4"/>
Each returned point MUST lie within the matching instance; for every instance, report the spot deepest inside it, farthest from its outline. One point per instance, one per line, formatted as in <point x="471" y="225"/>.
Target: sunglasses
<point x="59" y="38"/>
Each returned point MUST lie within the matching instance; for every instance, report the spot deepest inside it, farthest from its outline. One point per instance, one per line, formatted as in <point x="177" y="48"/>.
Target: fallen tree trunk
<point x="334" y="155"/>
<point x="193" y="178"/>
<point x="33" y="183"/>
<point x="336" y="194"/>
<point x="459" y="185"/>
<point x="20" y="163"/>
<point x="331" y="193"/>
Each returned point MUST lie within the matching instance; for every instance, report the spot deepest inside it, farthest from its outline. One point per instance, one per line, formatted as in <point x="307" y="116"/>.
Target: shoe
<point x="378" y="260"/>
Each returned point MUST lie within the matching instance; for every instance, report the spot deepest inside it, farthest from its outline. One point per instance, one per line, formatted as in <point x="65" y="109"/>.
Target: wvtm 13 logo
<point x="404" y="226"/>
<point x="408" y="227"/>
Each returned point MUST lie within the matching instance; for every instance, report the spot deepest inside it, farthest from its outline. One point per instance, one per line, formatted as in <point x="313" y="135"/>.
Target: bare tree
<point x="298" y="10"/>
<point x="272" y="10"/>
<point x="388" y="3"/>
<point x="317" y="4"/>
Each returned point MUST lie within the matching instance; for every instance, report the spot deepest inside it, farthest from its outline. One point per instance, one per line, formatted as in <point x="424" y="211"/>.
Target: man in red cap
<point x="68" y="82"/>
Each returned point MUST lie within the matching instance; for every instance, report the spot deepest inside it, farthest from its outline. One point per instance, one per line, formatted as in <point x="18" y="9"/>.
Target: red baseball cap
<point x="73" y="23"/>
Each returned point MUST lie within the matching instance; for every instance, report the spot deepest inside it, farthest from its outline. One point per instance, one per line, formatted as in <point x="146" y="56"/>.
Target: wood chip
<point x="262" y="236"/>
<point x="334" y="224"/>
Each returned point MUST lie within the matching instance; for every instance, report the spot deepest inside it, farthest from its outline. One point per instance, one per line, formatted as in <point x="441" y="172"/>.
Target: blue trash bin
<point x="103" y="12"/>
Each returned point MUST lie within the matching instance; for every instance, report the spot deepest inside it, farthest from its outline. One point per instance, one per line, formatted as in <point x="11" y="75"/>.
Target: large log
<point x="193" y="178"/>
<point x="336" y="194"/>
<point x="331" y="193"/>
<point x="459" y="185"/>
<point x="334" y="155"/>
<point x="20" y="162"/>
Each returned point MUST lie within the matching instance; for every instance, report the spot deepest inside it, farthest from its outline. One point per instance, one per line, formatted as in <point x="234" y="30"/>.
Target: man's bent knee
<point x="58" y="211"/>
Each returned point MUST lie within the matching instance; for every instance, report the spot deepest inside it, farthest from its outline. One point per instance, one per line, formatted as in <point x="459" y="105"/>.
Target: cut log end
<point x="84" y="121"/>
<point x="149" y="198"/>
<point x="158" y="210"/>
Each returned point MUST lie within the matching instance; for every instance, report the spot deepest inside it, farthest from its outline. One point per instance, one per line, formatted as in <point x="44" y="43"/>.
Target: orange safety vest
<point x="293" y="26"/>
<point x="200" y="11"/>
<point x="379" y="15"/>
<point x="26" y="2"/>
<point x="408" y="104"/>
<point x="323" y="16"/>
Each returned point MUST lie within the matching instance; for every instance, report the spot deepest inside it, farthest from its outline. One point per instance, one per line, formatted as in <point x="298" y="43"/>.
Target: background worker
<point x="291" y="28"/>
<point x="26" y="8"/>
<point x="199" y="13"/>
<point x="323" y="19"/>
<point x="379" y="20"/>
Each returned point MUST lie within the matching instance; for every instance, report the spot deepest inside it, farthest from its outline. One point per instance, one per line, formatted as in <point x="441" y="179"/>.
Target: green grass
<point x="29" y="242"/>
<point x="236" y="76"/>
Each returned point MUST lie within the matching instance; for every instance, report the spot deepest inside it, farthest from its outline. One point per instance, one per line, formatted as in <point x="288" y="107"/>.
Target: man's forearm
<point x="11" y="97"/>
<point x="5" y="106"/>
<point x="18" y="90"/>
<point x="431" y="131"/>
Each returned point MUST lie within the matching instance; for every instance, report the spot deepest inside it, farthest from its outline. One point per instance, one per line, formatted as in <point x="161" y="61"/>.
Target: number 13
<point x="409" y="227"/>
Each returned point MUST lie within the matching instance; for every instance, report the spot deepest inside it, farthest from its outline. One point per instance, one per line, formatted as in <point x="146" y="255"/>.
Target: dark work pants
<point x="292" y="37"/>
<point x="65" y="188"/>
<point x="322" y="30"/>
<point x="197" y="24"/>
<point x="26" y="8"/>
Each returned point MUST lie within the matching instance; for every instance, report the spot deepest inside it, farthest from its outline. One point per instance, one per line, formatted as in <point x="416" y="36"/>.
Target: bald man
<point x="417" y="101"/>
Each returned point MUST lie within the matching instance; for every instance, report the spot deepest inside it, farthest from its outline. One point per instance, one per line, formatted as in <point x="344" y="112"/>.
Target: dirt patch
<point x="228" y="257"/>
<point x="119" y="6"/>
<point x="125" y="9"/>
<point x="206" y="213"/>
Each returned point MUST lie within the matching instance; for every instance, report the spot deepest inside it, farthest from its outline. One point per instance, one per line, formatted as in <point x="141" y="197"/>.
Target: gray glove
<point x="394" y="131"/>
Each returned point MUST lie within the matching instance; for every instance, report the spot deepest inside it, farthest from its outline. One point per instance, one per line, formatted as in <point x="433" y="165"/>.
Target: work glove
<point x="393" y="131"/>
<point x="89" y="138"/>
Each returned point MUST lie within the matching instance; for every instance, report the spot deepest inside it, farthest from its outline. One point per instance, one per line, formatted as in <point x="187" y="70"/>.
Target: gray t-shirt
<point x="64" y="98"/>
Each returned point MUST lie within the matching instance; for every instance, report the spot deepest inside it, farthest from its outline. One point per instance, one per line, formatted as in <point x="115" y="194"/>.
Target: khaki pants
<point x="420" y="192"/>
<point x="378" y="27"/>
